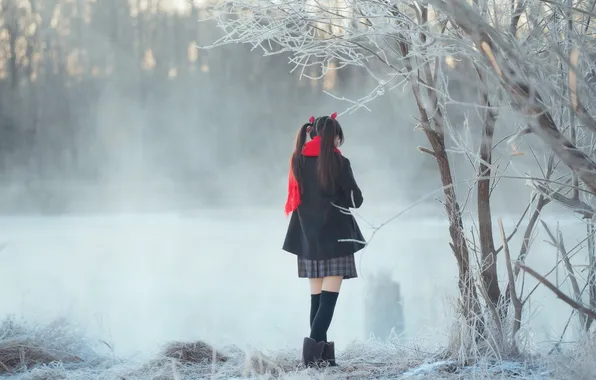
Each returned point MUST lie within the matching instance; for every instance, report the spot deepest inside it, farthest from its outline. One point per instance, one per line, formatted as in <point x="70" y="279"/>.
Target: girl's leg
<point x="316" y="285"/>
<point x="329" y="294"/>
<point x="312" y="351"/>
<point x="332" y="284"/>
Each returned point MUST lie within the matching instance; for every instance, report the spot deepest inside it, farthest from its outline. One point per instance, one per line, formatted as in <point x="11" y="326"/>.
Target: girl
<point x="322" y="232"/>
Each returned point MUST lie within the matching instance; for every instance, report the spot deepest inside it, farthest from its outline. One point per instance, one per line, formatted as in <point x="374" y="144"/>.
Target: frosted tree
<point x="514" y="62"/>
<point x="545" y="79"/>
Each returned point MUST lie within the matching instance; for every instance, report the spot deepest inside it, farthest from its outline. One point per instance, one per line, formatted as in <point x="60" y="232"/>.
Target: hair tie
<point x="312" y="122"/>
<point x="334" y="115"/>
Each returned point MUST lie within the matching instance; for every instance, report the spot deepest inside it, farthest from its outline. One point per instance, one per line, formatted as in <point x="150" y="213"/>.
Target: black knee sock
<point x="322" y="320"/>
<point x="315" y="300"/>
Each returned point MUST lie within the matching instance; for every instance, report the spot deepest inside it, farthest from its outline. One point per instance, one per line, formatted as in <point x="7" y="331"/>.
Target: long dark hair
<point x="295" y="160"/>
<point x="329" y="162"/>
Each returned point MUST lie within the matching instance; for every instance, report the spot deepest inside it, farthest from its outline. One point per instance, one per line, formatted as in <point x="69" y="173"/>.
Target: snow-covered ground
<point x="139" y="281"/>
<point x="58" y="351"/>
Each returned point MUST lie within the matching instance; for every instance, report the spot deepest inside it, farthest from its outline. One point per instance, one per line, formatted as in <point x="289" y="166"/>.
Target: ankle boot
<point x="329" y="354"/>
<point x="312" y="352"/>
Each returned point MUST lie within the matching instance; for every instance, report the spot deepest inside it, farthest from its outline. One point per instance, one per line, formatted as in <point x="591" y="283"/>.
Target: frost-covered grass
<point x="59" y="352"/>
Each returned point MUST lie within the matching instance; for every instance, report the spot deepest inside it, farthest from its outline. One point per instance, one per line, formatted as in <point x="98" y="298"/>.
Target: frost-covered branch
<point x="515" y="72"/>
<point x="314" y="34"/>
<point x="559" y="243"/>
<point x="577" y="306"/>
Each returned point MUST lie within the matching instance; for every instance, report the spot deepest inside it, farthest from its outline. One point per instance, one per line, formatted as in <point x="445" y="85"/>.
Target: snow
<point x="426" y="368"/>
<point x="372" y="359"/>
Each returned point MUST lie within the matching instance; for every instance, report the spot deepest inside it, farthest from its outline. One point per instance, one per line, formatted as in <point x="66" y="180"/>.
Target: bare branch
<point x="425" y="150"/>
<point x="519" y="221"/>
<point x="591" y="283"/>
<point x="524" y="95"/>
<point x="558" y="242"/>
<point x="574" y="205"/>
<point x="517" y="305"/>
<point x="575" y="9"/>
<point x="558" y="293"/>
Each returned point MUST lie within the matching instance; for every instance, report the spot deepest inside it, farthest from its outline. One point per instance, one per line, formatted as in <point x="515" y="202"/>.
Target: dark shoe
<point x="312" y="352"/>
<point x="329" y="354"/>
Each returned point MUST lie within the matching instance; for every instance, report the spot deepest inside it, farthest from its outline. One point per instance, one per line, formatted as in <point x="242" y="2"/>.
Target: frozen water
<point x="137" y="281"/>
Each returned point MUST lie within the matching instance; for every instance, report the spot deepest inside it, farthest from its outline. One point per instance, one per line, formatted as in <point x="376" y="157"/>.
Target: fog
<point x="139" y="281"/>
<point x="141" y="193"/>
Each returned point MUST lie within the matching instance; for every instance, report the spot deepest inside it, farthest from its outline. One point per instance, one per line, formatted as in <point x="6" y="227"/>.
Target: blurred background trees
<point x="112" y="91"/>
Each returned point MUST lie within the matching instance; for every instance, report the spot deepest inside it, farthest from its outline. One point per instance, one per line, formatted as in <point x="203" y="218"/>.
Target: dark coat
<point x="317" y="225"/>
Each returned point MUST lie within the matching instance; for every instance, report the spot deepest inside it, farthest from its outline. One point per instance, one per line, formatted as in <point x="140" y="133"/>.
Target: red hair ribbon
<point x="312" y="121"/>
<point x="334" y="115"/>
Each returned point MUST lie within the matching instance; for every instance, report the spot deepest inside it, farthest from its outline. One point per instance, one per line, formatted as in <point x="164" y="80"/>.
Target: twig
<point x="426" y="150"/>
<point x="592" y="267"/>
<point x="572" y="278"/>
<point x="556" y="346"/>
<point x="575" y="9"/>
<point x="519" y="221"/>
<point x="558" y="242"/>
<point x="517" y="305"/>
<point x="576" y="247"/>
<point x="575" y="305"/>
<point x="525" y="248"/>
<point x="6" y="368"/>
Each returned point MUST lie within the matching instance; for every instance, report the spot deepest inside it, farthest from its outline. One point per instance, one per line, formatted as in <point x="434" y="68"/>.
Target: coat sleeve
<point x="348" y="185"/>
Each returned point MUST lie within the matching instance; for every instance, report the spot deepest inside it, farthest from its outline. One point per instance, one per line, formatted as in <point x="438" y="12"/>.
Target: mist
<point x="142" y="182"/>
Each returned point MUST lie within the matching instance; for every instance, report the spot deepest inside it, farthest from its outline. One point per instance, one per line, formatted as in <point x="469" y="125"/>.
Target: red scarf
<point x="311" y="149"/>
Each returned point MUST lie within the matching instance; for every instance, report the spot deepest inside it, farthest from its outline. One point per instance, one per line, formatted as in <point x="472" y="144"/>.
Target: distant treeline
<point x="100" y="90"/>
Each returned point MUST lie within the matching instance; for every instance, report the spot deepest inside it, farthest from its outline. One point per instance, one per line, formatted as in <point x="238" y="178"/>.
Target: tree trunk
<point x="471" y="309"/>
<point x="456" y="230"/>
<point x="485" y="225"/>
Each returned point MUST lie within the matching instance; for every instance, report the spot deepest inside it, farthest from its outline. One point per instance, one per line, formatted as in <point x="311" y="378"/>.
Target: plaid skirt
<point x="344" y="266"/>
